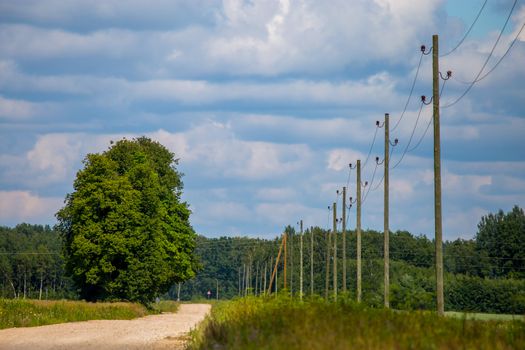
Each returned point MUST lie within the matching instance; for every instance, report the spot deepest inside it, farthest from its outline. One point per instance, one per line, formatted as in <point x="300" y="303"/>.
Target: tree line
<point x="483" y="274"/>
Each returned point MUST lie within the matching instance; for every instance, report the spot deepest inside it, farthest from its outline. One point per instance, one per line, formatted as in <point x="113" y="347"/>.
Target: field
<point x="283" y="323"/>
<point x="28" y="313"/>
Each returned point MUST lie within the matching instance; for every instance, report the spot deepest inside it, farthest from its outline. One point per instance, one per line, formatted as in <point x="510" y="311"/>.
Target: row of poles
<point x="332" y="234"/>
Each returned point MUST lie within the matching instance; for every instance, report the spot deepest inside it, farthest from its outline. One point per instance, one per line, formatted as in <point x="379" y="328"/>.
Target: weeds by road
<point x="284" y="323"/>
<point x="28" y="313"/>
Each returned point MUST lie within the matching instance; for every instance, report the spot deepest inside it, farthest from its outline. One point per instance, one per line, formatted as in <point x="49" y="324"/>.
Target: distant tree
<point x="501" y="237"/>
<point x="125" y="231"/>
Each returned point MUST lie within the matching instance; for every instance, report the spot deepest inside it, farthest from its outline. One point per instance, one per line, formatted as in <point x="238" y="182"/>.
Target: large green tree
<point x="125" y="231"/>
<point x="501" y="236"/>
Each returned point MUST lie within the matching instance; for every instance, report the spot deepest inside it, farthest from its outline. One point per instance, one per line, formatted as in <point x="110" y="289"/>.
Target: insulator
<point x="423" y="48"/>
<point x="423" y="98"/>
<point x="377" y="122"/>
<point x="396" y="141"/>
<point x="449" y="73"/>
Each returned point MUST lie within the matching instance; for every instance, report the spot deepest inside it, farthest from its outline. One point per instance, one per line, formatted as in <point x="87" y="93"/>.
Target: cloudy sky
<point x="266" y="103"/>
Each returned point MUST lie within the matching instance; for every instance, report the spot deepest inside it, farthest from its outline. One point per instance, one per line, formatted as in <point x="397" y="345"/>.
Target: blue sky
<point x="266" y="103"/>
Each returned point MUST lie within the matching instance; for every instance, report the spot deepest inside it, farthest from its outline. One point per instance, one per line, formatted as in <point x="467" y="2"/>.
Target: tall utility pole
<point x="301" y="263"/>
<point x="285" y="255"/>
<point x="334" y="233"/>
<point x="358" y="230"/>
<point x="386" y="213"/>
<point x="292" y="234"/>
<point x="265" y="275"/>
<point x="343" y="232"/>
<point x="327" y="271"/>
<point x="437" y="177"/>
<point x="311" y="260"/>
<point x="244" y="279"/>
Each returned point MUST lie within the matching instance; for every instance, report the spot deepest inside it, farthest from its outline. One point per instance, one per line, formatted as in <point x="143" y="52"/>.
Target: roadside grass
<point x="484" y="316"/>
<point x="30" y="313"/>
<point x="285" y="323"/>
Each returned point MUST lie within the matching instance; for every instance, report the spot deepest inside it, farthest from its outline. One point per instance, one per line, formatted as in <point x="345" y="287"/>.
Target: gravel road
<point x="165" y="331"/>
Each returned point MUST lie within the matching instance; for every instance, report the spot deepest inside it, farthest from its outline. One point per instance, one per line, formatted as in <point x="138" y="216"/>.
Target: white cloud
<point x="277" y="194"/>
<point x="16" y="109"/>
<point x="339" y="159"/>
<point x="24" y="206"/>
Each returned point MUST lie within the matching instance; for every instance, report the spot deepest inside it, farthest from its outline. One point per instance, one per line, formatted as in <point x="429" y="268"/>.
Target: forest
<point x="483" y="274"/>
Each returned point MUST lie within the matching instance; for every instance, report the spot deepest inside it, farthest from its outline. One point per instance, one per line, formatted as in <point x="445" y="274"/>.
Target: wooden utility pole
<point x="334" y="233"/>
<point x="292" y="236"/>
<point x="327" y="271"/>
<point x="311" y="260"/>
<point x="274" y="273"/>
<point x="265" y="275"/>
<point x="285" y="255"/>
<point x="301" y="262"/>
<point x="358" y="230"/>
<point x="343" y="232"/>
<point x="437" y="177"/>
<point x="244" y="279"/>
<point x="386" y="232"/>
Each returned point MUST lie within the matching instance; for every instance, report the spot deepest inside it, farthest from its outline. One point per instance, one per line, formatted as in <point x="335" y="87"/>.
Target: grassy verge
<point x="29" y="313"/>
<point x="484" y="316"/>
<point x="282" y="323"/>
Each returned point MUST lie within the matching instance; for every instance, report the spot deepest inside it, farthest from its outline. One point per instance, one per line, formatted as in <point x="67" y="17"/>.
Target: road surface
<point x="165" y="331"/>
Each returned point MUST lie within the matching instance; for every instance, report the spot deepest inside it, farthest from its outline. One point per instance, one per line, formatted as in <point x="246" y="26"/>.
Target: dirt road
<point x="165" y="331"/>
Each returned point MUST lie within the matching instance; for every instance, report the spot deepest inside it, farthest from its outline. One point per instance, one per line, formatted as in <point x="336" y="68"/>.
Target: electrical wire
<point x="371" y="146"/>
<point x="499" y="61"/>
<point x="411" y="136"/>
<point x="370" y="184"/>
<point x="486" y="61"/>
<point x="410" y="94"/>
<point x="429" y="121"/>
<point x="467" y="32"/>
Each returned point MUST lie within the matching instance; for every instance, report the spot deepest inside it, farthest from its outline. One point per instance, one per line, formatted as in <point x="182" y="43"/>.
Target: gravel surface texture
<point x="165" y="331"/>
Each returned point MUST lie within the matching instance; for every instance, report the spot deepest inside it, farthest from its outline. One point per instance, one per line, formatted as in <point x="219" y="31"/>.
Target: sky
<point x="266" y="102"/>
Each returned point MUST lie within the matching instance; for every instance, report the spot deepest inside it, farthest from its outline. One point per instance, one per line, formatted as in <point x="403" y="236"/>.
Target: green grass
<point x="485" y="317"/>
<point x="283" y="323"/>
<point x="29" y="313"/>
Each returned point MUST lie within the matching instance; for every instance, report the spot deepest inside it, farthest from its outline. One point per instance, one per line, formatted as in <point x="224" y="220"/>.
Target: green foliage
<point x="501" y="237"/>
<point x="412" y="271"/>
<point x="31" y="264"/>
<point x="126" y="234"/>
<point x="284" y="323"/>
<point x="30" y="313"/>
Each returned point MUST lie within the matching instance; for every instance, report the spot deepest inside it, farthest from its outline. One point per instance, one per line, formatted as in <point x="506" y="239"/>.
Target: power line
<point x="371" y="146"/>
<point x="411" y="91"/>
<point x="467" y="32"/>
<point x="371" y="182"/>
<point x="411" y="136"/>
<point x="429" y="121"/>
<point x="486" y="61"/>
<point x="499" y="61"/>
